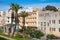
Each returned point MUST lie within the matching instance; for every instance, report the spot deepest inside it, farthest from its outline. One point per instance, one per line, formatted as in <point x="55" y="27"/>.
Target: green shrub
<point x="38" y="34"/>
<point x="34" y="33"/>
<point x="51" y="36"/>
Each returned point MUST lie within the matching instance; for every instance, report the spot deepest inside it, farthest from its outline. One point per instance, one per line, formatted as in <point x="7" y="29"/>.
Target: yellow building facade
<point x="31" y="20"/>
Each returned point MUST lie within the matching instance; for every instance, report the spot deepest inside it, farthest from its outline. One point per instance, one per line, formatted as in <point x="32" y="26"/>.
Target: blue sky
<point x="5" y="4"/>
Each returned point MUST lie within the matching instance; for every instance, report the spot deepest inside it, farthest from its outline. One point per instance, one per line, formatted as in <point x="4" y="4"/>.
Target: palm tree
<point x="15" y="8"/>
<point x="23" y="15"/>
<point x="12" y="16"/>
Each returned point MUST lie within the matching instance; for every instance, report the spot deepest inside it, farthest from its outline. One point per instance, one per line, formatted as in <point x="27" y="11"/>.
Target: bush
<point x="51" y="36"/>
<point x="38" y="34"/>
<point x="34" y="33"/>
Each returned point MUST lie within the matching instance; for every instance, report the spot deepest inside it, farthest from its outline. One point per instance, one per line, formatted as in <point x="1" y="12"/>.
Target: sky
<point x="5" y="4"/>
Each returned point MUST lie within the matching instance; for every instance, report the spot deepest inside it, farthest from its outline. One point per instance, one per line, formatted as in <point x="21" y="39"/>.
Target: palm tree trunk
<point x="12" y="17"/>
<point x="11" y="26"/>
<point x="14" y="29"/>
<point x="23" y="25"/>
<point x="16" y="22"/>
<point x="23" y="22"/>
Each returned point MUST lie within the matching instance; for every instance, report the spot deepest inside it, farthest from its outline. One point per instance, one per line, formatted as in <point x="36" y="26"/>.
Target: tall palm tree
<point x="12" y="16"/>
<point x="23" y="15"/>
<point x="15" y="8"/>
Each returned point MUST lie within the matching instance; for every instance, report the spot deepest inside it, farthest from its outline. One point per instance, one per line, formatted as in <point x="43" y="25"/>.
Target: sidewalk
<point x="6" y="37"/>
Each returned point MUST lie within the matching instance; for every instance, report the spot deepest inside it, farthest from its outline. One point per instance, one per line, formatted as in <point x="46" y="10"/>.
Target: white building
<point x="8" y="17"/>
<point x="2" y="18"/>
<point x="8" y="22"/>
<point x="49" y="22"/>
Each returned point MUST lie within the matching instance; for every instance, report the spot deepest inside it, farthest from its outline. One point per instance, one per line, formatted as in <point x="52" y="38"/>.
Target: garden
<point x="27" y="34"/>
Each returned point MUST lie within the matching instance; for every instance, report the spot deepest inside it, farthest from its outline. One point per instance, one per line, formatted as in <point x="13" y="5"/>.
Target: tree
<point x="12" y="16"/>
<point x="23" y="15"/>
<point x="51" y="8"/>
<point x="14" y="8"/>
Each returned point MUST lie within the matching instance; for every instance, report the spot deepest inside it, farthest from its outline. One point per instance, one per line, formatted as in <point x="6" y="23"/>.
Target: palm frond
<point x="23" y="14"/>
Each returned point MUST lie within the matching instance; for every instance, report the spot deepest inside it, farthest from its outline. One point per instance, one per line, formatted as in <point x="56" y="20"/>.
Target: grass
<point x="22" y="38"/>
<point x="16" y="38"/>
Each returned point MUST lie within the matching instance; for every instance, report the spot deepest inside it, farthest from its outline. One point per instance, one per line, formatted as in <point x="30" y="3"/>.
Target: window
<point x="8" y="17"/>
<point x="41" y="23"/>
<point x="26" y="22"/>
<point x="44" y="23"/>
<point x="50" y="21"/>
<point x="59" y="29"/>
<point x="53" y="21"/>
<point x="59" y="21"/>
<point x="41" y="15"/>
<point x="50" y="29"/>
<point x="46" y="14"/>
<point x="47" y="24"/>
<point x="53" y="29"/>
<point x="8" y="21"/>
<point x="35" y="17"/>
<point x="0" y="15"/>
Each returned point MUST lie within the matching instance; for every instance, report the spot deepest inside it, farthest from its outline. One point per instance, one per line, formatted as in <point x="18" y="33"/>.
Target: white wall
<point x="45" y="17"/>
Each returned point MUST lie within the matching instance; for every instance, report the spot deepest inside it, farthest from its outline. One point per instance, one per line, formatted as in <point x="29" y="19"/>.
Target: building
<point x="2" y="18"/>
<point x="49" y="22"/>
<point x="44" y="20"/>
<point x="8" y="17"/>
<point x="31" y="20"/>
<point x="7" y="25"/>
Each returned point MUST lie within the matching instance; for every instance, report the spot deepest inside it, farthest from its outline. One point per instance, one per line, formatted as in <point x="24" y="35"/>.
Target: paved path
<point x="6" y="37"/>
